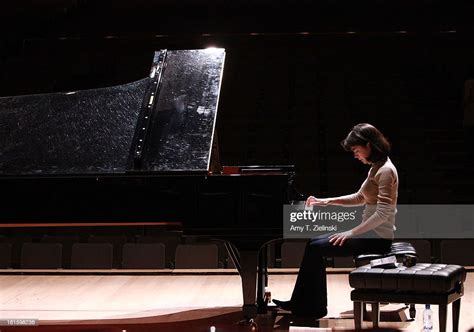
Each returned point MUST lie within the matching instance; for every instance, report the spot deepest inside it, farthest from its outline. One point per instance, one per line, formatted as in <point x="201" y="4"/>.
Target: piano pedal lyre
<point x="267" y="297"/>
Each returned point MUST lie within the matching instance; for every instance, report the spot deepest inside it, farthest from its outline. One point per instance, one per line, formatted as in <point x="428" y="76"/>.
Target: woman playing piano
<point x="374" y="234"/>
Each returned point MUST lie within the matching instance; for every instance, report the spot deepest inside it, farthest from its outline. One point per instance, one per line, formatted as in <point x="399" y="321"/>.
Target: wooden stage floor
<point x="172" y="302"/>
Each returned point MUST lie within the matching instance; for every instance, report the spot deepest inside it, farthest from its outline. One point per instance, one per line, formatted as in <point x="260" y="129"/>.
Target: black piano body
<point x="244" y="210"/>
<point x="143" y="151"/>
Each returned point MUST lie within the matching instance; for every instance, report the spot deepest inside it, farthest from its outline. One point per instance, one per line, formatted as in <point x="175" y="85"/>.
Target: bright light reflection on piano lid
<point x="213" y="49"/>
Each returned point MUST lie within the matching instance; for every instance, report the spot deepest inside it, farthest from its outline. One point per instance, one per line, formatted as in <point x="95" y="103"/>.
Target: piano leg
<point x="252" y="267"/>
<point x="248" y="273"/>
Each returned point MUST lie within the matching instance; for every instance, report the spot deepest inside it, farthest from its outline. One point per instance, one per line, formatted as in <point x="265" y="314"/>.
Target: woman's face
<point x="362" y="152"/>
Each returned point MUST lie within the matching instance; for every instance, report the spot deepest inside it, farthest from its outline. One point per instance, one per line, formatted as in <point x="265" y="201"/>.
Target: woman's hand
<point x="338" y="239"/>
<point x="311" y="200"/>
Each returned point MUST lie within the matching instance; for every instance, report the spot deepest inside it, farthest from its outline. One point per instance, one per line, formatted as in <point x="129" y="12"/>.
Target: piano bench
<point x="439" y="284"/>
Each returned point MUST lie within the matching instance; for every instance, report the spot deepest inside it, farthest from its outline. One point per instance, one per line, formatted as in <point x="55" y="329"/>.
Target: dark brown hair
<point x="364" y="133"/>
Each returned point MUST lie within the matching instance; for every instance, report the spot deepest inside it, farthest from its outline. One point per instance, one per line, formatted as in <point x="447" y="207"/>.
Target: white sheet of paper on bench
<point x="389" y="262"/>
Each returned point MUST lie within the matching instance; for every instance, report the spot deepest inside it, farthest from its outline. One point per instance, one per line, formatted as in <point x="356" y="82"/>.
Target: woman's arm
<point x="354" y="199"/>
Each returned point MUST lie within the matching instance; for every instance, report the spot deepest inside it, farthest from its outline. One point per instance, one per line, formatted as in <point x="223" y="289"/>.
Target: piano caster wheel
<point x="252" y="325"/>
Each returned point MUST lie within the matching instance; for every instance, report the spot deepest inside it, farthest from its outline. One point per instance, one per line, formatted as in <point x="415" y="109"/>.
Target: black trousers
<point x="310" y="293"/>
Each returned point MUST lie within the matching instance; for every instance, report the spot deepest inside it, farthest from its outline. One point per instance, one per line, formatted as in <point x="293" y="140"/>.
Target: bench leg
<point x="358" y="312"/>
<point x="443" y="316"/>
<point x="375" y="314"/>
<point x="412" y="311"/>
<point x="456" y="307"/>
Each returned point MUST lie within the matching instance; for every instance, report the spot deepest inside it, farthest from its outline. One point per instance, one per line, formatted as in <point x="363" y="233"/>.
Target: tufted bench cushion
<point x="421" y="278"/>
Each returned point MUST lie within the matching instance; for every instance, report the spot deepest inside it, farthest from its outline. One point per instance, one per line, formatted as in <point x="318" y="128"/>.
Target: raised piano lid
<point x="163" y="123"/>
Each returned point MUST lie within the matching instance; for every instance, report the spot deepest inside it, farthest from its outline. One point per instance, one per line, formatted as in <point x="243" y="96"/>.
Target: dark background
<point x="298" y="75"/>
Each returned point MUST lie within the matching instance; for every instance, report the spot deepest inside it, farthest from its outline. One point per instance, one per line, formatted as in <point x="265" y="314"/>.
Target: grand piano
<point x="143" y="151"/>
